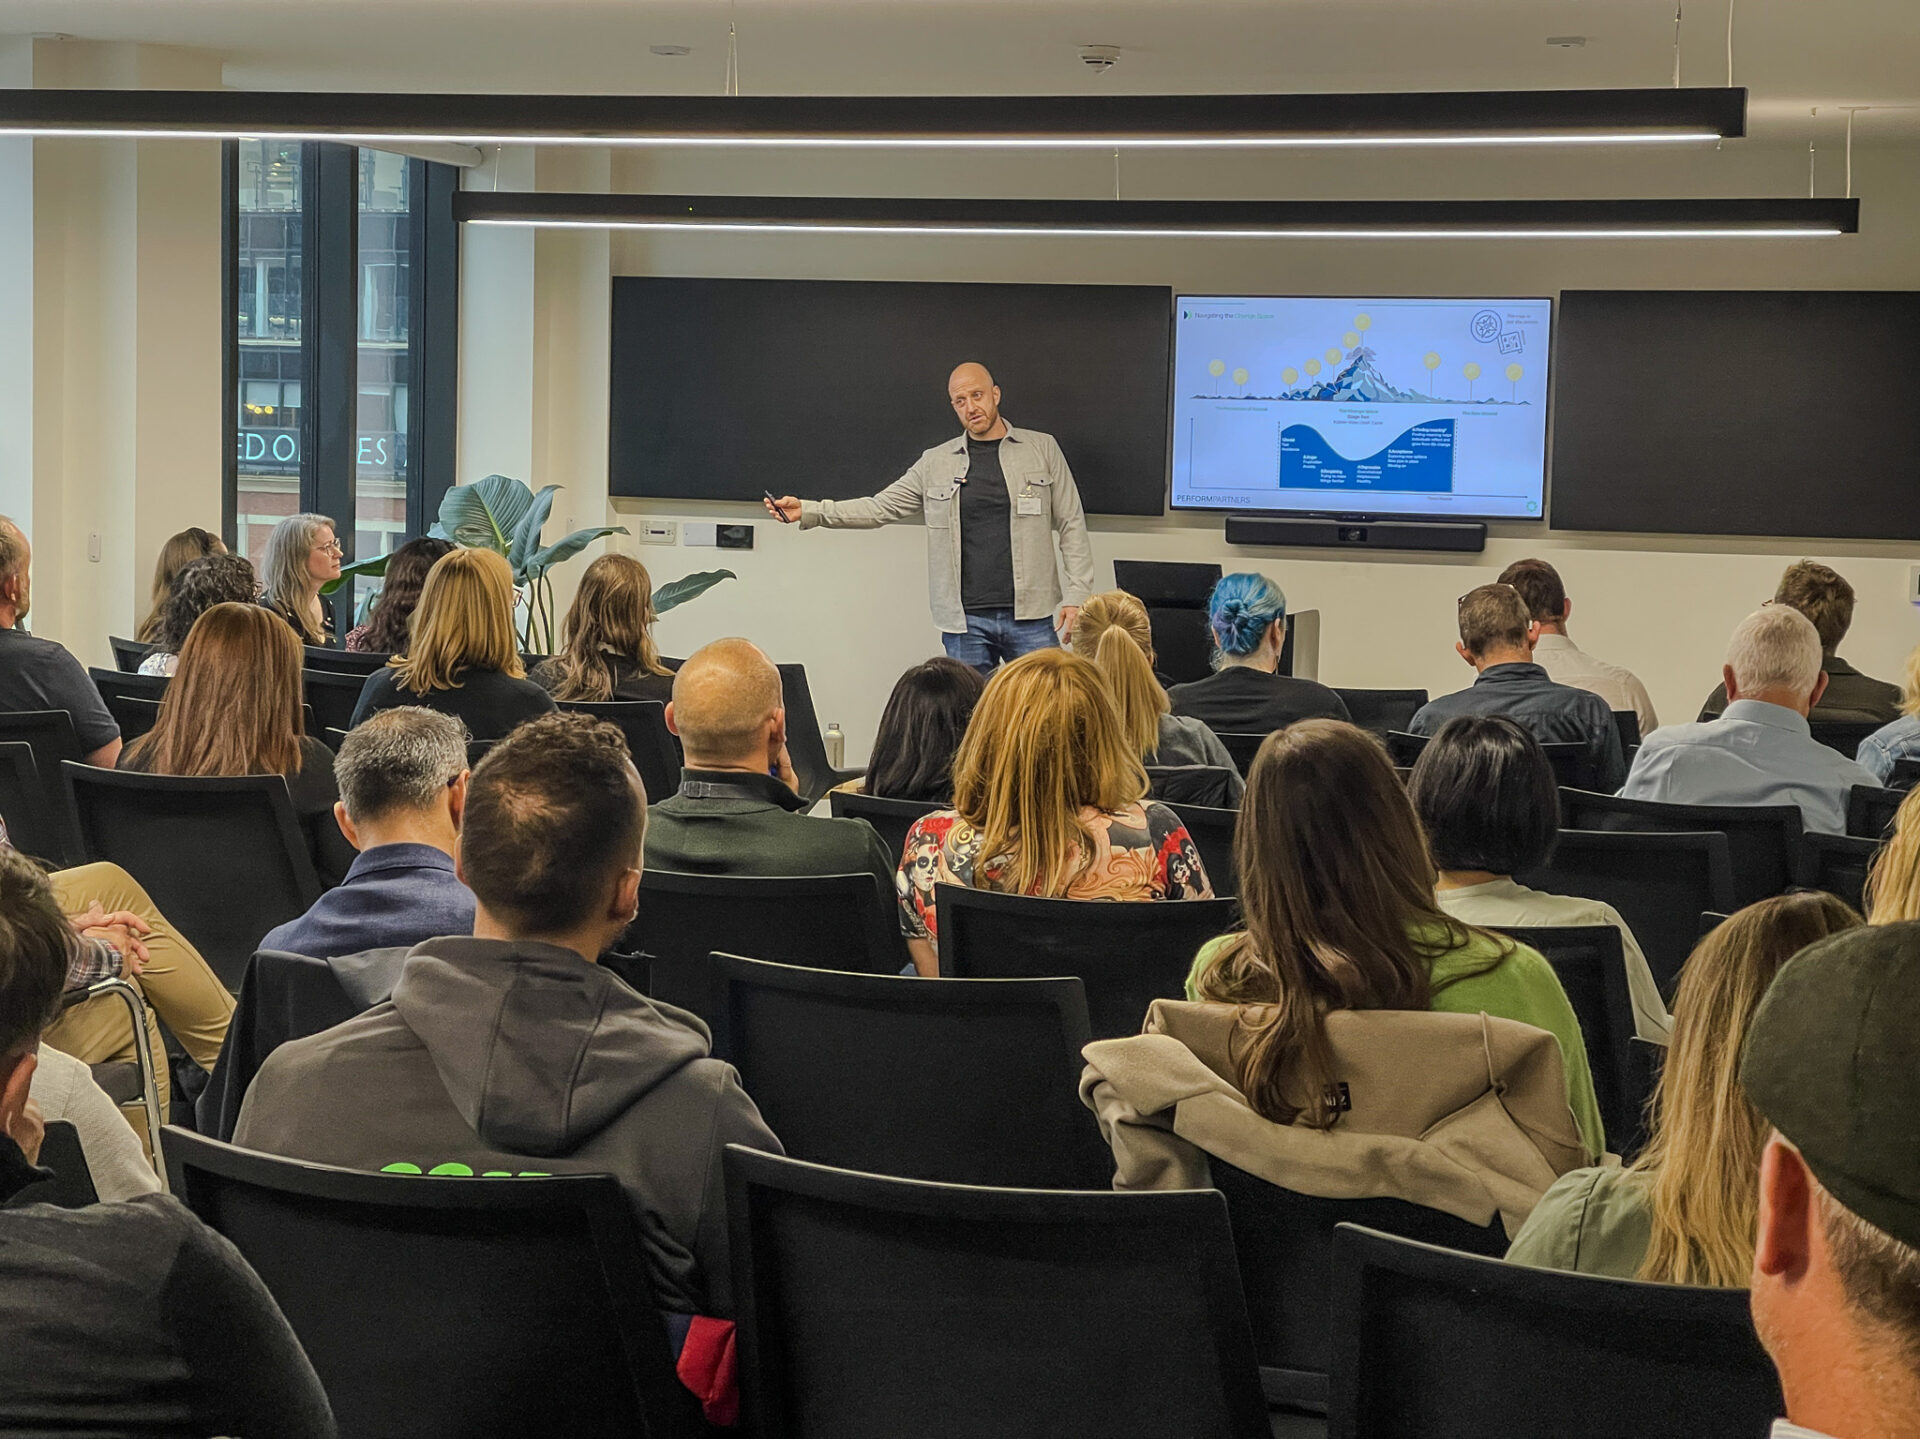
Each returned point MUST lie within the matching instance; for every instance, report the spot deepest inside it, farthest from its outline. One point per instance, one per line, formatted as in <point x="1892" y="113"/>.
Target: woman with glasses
<point x="302" y="555"/>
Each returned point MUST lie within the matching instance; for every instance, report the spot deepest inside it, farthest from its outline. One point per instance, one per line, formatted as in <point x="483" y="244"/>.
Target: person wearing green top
<point x="1336" y="891"/>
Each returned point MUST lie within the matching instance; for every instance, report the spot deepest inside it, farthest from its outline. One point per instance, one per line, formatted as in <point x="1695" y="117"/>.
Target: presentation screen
<point x="1432" y="409"/>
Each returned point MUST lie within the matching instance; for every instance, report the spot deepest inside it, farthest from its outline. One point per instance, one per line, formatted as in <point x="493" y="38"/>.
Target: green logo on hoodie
<point x="454" y="1170"/>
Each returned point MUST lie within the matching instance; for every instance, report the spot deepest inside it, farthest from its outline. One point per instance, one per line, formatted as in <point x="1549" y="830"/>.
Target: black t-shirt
<point x="488" y="702"/>
<point x="1243" y="700"/>
<point x="986" y="532"/>
<point x="37" y="674"/>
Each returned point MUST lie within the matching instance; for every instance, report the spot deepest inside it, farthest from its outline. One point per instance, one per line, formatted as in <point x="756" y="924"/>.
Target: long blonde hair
<point x="291" y="586"/>
<point x="1113" y="631"/>
<point x="1893" y="884"/>
<point x="1044" y="744"/>
<point x="1703" y="1161"/>
<point x="612" y="614"/>
<point x="233" y="706"/>
<point x="181" y="550"/>
<point x="464" y="621"/>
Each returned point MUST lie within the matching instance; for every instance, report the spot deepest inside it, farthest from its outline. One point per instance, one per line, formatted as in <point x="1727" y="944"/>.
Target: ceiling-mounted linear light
<point x="1176" y="219"/>
<point x="1511" y="117"/>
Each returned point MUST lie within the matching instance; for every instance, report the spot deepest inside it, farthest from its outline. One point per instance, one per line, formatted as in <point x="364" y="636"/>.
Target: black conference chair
<point x="1243" y="747"/>
<point x="1870" y="811"/>
<point x="891" y="818"/>
<point x="806" y="747"/>
<point x="972" y="1081"/>
<point x="451" y="1307"/>
<point x="872" y="1308"/>
<point x="116" y="683"/>
<point x="1284" y="1242"/>
<point x="1574" y="766"/>
<point x="1659" y="882"/>
<point x="135" y="714"/>
<point x="49" y="734"/>
<point x="39" y="820"/>
<point x="343" y="662"/>
<point x="1405" y="749"/>
<point x="1212" y="831"/>
<point x="1626" y="724"/>
<point x="1588" y="961"/>
<point x="1838" y="864"/>
<point x="1127" y="955"/>
<point x="127" y="654"/>
<point x="1208" y="785"/>
<point x="1444" y="1345"/>
<point x="477" y="750"/>
<point x="223" y="858"/>
<point x="1843" y="735"/>
<point x="71" y="1184"/>
<point x="649" y="741"/>
<point x="832" y="921"/>
<point x="1763" y="841"/>
<point x="1174" y="594"/>
<point x="1382" y="710"/>
<point x="332" y="697"/>
<point x="1906" y="774"/>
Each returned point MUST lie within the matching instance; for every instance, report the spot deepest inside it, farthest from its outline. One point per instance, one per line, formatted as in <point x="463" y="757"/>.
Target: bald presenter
<point x="993" y="501"/>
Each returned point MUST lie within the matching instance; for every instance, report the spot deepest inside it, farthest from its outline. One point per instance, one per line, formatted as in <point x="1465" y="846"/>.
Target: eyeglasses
<point x="332" y="547"/>
<point x="1497" y="584"/>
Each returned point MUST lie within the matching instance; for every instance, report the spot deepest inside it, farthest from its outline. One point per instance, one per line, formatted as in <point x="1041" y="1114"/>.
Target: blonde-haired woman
<point x="462" y="656"/>
<point x="303" y="553"/>
<point x="608" y="651"/>
<point x="1893" y="884"/>
<point x="1683" y="1212"/>
<point x="1113" y="631"/>
<point x="181" y="550"/>
<point x="1900" y="739"/>
<point x="1049" y="798"/>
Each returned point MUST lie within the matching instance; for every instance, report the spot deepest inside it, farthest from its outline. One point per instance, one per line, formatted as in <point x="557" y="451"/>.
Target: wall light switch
<point x="659" y="532"/>
<point x="707" y="535"/>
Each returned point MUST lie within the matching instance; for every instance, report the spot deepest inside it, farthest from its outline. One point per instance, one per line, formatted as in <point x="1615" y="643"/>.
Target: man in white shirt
<point x="1761" y="751"/>
<point x="1565" y="662"/>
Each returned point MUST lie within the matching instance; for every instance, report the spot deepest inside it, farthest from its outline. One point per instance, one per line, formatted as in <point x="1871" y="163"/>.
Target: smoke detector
<point x="1567" y="42"/>
<point x="669" y="49"/>
<point x="1099" y="58"/>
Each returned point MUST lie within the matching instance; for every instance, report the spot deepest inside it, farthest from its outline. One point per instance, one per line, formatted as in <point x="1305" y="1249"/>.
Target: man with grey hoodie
<point x="512" y="1051"/>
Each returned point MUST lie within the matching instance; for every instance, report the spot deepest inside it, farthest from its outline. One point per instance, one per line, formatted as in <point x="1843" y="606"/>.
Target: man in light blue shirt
<point x="1761" y="750"/>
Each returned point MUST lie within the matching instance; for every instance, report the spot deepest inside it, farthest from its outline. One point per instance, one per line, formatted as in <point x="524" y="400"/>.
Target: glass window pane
<point x="380" y="428"/>
<point x="267" y="322"/>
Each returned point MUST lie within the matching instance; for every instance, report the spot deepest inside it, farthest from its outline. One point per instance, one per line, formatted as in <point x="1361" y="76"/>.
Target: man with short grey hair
<point x="1761" y="750"/>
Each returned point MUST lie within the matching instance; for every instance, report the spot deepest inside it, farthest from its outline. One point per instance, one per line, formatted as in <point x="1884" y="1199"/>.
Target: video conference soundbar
<point x="1333" y="532"/>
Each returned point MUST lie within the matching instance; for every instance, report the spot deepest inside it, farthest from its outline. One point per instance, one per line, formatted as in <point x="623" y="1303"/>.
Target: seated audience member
<point x="385" y="631"/>
<point x="1893" y="881"/>
<point x="1497" y="636"/>
<point x="462" y="657"/>
<point x="220" y="579"/>
<point x="1682" y="1212"/>
<point x="1898" y="739"/>
<point x="302" y="555"/>
<point x="1487" y="798"/>
<point x="37" y="674"/>
<point x="1826" y="599"/>
<point x="1049" y="798"/>
<point x="1761" y="750"/>
<point x="607" y="650"/>
<point x="513" y="1050"/>
<point x="181" y="550"/>
<point x="920" y="732"/>
<point x="1247" y="694"/>
<point x="234" y="708"/>
<point x="737" y="811"/>
<point x="1337" y="894"/>
<point x="1113" y="631"/>
<point x="130" y="1318"/>
<point x="403" y="786"/>
<point x="64" y="1088"/>
<point x="1833" y="1063"/>
<point x="1538" y="583"/>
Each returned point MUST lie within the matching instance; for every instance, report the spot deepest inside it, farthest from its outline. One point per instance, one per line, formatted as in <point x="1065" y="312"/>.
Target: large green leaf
<point x="484" y="514"/>
<point x="688" y="587"/>
<point x="541" y="561"/>
<point x="375" y="568"/>
<point x="524" y="543"/>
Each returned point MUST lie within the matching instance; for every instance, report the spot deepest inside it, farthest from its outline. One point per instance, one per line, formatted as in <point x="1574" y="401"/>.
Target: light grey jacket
<point x="1034" y="467"/>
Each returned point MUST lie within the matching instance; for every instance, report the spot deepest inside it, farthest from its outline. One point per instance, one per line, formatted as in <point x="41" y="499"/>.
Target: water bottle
<point x="836" y="741"/>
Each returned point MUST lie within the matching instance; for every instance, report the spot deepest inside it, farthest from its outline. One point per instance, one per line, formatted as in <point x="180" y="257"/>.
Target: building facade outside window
<point x="272" y="362"/>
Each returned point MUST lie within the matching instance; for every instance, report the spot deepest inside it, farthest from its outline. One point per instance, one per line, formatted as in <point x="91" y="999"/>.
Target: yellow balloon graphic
<point x="1289" y="375"/>
<point x="1432" y="361"/>
<point x="1350" y="340"/>
<point x="1514" y="372"/>
<point x="1472" y="371"/>
<point x="1333" y="357"/>
<point x="1363" y="322"/>
<point x="1217" y="368"/>
<point x="1239" y="377"/>
<point x="1312" y="368"/>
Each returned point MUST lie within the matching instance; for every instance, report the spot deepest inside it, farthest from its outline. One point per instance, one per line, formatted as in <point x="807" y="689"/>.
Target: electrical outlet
<point x="659" y="532"/>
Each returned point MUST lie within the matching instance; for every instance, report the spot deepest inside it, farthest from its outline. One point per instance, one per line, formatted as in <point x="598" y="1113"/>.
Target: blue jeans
<point x="994" y="636"/>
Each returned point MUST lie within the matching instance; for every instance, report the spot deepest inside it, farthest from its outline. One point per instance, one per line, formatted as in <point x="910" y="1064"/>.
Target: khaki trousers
<point x="177" y="984"/>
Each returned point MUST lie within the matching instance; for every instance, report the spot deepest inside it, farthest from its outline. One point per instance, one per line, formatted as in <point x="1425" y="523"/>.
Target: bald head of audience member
<point x="976" y="401"/>
<point x="728" y="709"/>
<point x="1774" y="656"/>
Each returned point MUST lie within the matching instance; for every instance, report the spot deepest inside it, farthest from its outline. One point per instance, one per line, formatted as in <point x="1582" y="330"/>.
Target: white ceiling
<point x="1794" y="54"/>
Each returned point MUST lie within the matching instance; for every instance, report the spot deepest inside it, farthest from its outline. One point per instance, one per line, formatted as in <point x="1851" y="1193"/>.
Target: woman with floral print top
<point x="1048" y="799"/>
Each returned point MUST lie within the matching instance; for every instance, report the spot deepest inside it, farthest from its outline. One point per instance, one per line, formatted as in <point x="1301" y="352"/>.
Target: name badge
<point x="1029" y="504"/>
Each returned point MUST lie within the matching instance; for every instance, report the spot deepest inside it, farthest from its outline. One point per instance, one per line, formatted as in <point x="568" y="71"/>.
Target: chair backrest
<point x="1906" y="774"/>
<point x="1838" y="864"/>
<point x="649" y="741"/>
<point x="1870" y="811"/>
<point x="1659" y="882"/>
<point x="1574" y="765"/>
<point x="1212" y="786"/>
<point x="1439" y="1344"/>
<point x="49" y="732"/>
<point x="1626" y="724"/>
<point x="1588" y="961"/>
<point x="38" y="816"/>
<point x="1284" y="1243"/>
<point x="50" y="735"/>
<point x="970" y="1081"/>
<point x="1127" y="955"/>
<point x="119" y="682"/>
<point x="135" y="714"/>
<point x="830" y="921"/>
<point x="344" y="662"/>
<point x="127" y="654"/>
<point x="1763" y="841"/>
<point x="890" y="818"/>
<point x="1405" y="749"/>
<point x="450" y="1306"/>
<point x="71" y="1184"/>
<point x="332" y="696"/>
<point x="1243" y="746"/>
<point x="1175" y="594"/>
<point x="871" y="1307"/>
<point x="806" y="746"/>
<point x="1212" y="830"/>
<point x="1382" y="710"/>
<point x="1843" y="735"/>
<point x="222" y="858"/>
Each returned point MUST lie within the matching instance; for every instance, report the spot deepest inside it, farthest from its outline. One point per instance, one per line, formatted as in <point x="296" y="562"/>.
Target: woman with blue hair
<point x="1246" y="694"/>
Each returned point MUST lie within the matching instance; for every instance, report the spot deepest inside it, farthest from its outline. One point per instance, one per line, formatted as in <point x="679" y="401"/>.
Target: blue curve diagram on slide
<point x="1420" y="461"/>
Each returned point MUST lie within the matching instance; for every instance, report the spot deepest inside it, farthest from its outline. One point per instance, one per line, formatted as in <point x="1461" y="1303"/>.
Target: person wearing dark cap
<point x="1833" y="1063"/>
